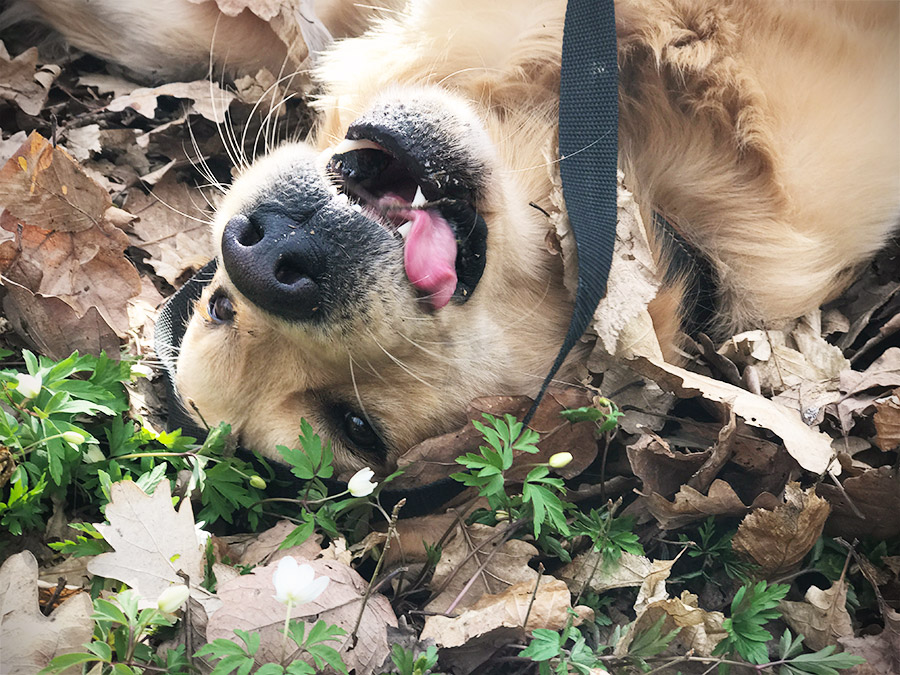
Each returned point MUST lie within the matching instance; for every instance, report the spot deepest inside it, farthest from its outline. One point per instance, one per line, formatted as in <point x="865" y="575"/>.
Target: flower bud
<point x="258" y="482"/>
<point x="500" y="515"/>
<point x="560" y="459"/>
<point x="28" y="385"/>
<point x="361" y="485"/>
<point x="140" y="370"/>
<point x="171" y="599"/>
<point x="73" y="437"/>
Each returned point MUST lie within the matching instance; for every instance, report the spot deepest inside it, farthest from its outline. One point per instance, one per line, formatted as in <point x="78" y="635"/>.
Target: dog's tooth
<point x="348" y="145"/>
<point x="356" y="206"/>
<point x="419" y="199"/>
<point x="404" y="229"/>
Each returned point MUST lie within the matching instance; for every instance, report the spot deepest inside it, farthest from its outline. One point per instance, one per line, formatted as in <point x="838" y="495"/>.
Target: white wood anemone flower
<point x="361" y="485"/>
<point x="28" y="385"/>
<point x="296" y="584"/>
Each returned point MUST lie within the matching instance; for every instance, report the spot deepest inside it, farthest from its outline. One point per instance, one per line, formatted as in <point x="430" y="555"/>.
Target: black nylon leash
<point x="588" y="146"/>
<point x="588" y="156"/>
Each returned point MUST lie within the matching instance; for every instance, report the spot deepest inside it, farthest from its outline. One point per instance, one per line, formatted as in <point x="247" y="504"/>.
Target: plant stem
<point x="392" y="526"/>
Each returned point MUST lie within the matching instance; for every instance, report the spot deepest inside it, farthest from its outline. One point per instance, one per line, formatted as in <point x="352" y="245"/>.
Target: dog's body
<point x="767" y="132"/>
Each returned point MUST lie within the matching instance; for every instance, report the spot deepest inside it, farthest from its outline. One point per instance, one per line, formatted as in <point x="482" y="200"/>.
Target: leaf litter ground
<point x="774" y="456"/>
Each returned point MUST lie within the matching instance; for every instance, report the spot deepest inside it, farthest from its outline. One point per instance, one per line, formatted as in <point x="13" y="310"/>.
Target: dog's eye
<point x="220" y="308"/>
<point x="360" y="432"/>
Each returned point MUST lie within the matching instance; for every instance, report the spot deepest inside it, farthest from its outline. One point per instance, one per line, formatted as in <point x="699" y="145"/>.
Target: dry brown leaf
<point x="508" y="565"/>
<point x="172" y="227"/>
<point x="207" y="99"/>
<point x="662" y="470"/>
<point x="547" y="608"/>
<point x="24" y="83"/>
<point x="628" y="571"/>
<point x="881" y="652"/>
<point x="435" y="458"/>
<point x="887" y="421"/>
<point x="264" y="546"/>
<point x="30" y="639"/>
<point x="778" y="540"/>
<point x="875" y="494"/>
<point x="248" y="603"/>
<point x="152" y="542"/>
<point x="884" y="372"/>
<point x="53" y="327"/>
<point x="810" y="448"/>
<point x="691" y="505"/>
<point x="699" y="631"/>
<point x="42" y="186"/>
<point x="822" y="618"/>
<point x="59" y="238"/>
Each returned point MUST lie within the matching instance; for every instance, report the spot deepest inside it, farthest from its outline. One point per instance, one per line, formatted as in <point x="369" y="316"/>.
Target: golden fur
<point x="768" y="131"/>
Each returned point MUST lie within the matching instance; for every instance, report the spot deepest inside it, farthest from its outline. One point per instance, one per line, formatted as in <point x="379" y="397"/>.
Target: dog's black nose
<point x="276" y="262"/>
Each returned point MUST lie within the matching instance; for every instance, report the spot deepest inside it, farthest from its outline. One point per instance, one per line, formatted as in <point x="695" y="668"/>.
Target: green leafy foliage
<point x="234" y="658"/>
<point x="822" y="662"/>
<point x="610" y="534"/>
<point x="752" y="607"/>
<point x="715" y="554"/>
<point x="605" y="415"/>
<point x="406" y="662"/>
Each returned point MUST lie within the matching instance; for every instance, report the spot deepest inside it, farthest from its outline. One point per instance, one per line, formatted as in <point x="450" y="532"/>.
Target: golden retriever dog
<point x="377" y="277"/>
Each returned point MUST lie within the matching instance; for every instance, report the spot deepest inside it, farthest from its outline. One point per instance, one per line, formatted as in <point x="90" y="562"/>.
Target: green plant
<point x="407" y="662"/>
<point x="548" y="649"/>
<point x="752" y="607"/>
<point x="538" y="502"/>
<point x="609" y="534"/>
<point x="605" y="414"/>
<point x="715" y="554"/>
<point x="233" y="657"/>
<point x="119" y="630"/>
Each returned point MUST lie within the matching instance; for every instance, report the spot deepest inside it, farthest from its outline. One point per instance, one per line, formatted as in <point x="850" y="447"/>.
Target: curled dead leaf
<point x="778" y="539"/>
<point x="822" y="618"/>
<point x="691" y="504"/>
<point x="810" y="448"/>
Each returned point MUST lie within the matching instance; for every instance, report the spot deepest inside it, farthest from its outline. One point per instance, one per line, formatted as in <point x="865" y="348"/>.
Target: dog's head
<point x="377" y="278"/>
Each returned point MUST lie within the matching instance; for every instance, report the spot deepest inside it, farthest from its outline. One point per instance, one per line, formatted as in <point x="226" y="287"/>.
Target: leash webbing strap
<point x="588" y="153"/>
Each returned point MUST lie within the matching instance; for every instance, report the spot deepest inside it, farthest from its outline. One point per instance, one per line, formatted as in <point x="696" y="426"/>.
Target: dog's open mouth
<point x="443" y="236"/>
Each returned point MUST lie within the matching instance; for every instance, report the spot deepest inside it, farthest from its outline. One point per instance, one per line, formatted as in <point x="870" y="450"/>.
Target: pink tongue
<point x="430" y="257"/>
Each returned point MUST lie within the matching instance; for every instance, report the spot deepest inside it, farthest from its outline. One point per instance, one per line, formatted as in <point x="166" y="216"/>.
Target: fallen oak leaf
<point x="881" y="652"/>
<point x="152" y="543"/>
<point x="867" y="506"/>
<point x="546" y="607"/>
<point x="43" y="186"/>
<point x="507" y="565"/>
<point x="248" y="603"/>
<point x="30" y="639"/>
<point x="59" y="236"/>
<point x="23" y="82"/>
<point x="207" y="99"/>
<point x="887" y="421"/>
<point x="777" y="540"/>
<point x="822" y="618"/>
<point x="627" y="571"/>
<point x="690" y="504"/>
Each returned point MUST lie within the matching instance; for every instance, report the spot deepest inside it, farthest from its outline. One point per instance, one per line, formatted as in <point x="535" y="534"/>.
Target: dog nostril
<point x="244" y="231"/>
<point x="289" y="271"/>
